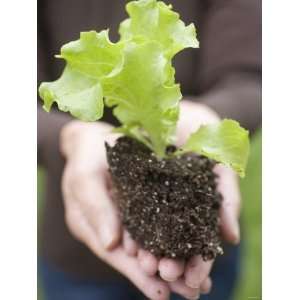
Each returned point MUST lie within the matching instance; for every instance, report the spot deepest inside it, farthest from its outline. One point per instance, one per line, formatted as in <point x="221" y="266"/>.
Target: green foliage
<point x="136" y="78"/>
<point x="152" y="20"/>
<point x="225" y="142"/>
<point x="134" y="75"/>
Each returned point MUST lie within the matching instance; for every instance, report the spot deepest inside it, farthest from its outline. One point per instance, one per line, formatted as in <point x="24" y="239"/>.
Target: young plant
<point x="135" y="77"/>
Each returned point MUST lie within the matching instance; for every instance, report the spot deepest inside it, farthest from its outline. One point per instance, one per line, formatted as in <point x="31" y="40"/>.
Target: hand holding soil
<point x="228" y="180"/>
<point x="96" y="223"/>
<point x="194" y="270"/>
<point x="94" y="219"/>
<point x="89" y="210"/>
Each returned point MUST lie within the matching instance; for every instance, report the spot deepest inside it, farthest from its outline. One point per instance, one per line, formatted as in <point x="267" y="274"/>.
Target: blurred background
<point x="249" y="282"/>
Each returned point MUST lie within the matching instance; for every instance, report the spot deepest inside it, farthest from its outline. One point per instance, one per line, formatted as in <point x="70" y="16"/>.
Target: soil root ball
<point x="169" y="206"/>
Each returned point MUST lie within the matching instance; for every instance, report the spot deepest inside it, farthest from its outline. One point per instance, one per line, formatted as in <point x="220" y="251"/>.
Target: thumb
<point x="110" y="227"/>
<point x="228" y="186"/>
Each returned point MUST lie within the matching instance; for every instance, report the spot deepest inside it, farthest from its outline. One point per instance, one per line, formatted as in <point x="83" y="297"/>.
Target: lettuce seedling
<point x="135" y="77"/>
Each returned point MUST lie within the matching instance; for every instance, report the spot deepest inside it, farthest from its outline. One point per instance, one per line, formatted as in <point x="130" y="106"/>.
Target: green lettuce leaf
<point x="76" y="93"/>
<point x="157" y="21"/>
<point x="226" y="142"/>
<point x="135" y="75"/>
<point x="79" y="89"/>
<point x="93" y="54"/>
<point x="141" y="97"/>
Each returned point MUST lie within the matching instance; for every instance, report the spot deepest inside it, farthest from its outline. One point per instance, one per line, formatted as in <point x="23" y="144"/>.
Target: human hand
<point x="185" y="278"/>
<point x="90" y="213"/>
<point x="228" y="184"/>
<point x="192" y="277"/>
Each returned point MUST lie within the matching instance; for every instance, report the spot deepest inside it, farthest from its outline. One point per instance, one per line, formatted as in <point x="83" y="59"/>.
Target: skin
<point x="92" y="216"/>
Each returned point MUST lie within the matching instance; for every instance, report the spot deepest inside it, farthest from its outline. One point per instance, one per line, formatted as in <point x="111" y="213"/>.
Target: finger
<point x="152" y="286"/>
<point x="170" y="269"/>
<point x="196" y="271"/>
<point x="179" y="287"/>
<point x="147" y="262"/>
<point x="99" y="209"/>
<point x="130" y="246"/>
<point x="206" y="286"/>
<point x="81" y="229"/>
<point x="230" y="207"/>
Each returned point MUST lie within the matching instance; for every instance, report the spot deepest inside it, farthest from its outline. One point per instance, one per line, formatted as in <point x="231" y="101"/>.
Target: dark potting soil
<point x="169" y="206"/>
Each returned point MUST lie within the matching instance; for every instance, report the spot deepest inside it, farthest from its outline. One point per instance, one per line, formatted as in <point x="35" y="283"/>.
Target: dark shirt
<point x="225" y="73"/>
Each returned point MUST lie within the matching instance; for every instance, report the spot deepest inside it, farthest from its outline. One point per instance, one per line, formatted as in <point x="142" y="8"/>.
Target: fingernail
<point x="168" y="279"/>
